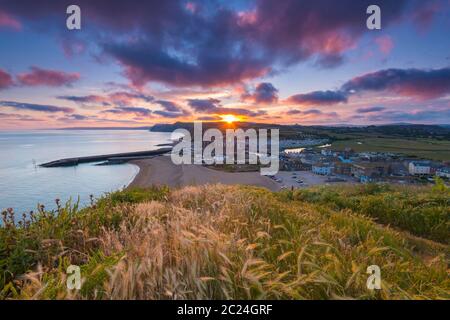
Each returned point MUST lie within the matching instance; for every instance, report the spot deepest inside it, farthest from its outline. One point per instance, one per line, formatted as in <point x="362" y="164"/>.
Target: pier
<point x="70" y="162"/>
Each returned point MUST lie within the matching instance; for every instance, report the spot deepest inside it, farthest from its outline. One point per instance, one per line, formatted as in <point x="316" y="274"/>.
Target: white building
<point x="324" y="169"/>
<point x="443" y="173"/>
<point x="419" y="168"/>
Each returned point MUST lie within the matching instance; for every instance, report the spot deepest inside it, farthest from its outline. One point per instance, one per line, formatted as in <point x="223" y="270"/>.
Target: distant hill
<point x="441" y="132"/>
<point x="402" y="130"/>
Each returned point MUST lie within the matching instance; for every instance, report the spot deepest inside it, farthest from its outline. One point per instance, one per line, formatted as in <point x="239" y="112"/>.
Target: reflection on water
<point x="299" y="150"/>
<point x="294" y="150"/>
<point x="23" y="184"/>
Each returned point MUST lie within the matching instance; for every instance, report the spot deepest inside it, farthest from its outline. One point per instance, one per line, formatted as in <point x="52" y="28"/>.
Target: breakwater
<point x="70" y="162"/>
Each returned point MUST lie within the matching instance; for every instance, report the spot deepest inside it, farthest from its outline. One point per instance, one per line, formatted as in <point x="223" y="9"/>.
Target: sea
<point x="24" y="184"/>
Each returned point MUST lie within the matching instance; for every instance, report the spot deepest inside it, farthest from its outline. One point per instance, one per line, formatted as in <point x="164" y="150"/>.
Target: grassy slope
<point x="220" y="242"/>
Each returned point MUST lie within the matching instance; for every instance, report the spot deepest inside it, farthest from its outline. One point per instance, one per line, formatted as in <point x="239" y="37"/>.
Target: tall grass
<point x="217" y="242"/>
<point x="422" y="211"/>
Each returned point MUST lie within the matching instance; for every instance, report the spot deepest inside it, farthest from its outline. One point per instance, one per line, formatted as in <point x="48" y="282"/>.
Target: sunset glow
<point x="229" y="118"/>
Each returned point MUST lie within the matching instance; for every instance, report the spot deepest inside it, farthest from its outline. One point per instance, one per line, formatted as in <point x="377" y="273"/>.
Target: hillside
<point x="234" y="242"/>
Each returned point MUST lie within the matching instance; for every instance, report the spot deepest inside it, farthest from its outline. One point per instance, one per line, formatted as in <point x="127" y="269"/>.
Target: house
<point x="399" y="169"/>
<point x="370" y="171"/>
<point x="344" y="168"/>
<point x="324" y="169"/>
<point x="343" y="160"/>
<point x="419" y="168"/>
<point x="293" y="164"/>
<point x="443" y="172"/>
<point x="326" y="152"/>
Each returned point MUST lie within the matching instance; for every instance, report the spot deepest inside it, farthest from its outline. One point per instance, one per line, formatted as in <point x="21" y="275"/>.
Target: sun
<point x="229" y="118"/>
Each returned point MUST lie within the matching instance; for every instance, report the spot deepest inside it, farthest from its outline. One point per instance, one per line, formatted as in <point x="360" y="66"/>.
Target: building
<point x="399" y="169"/>
<point x="293" y="164"/>
<point x="324" y="169"/>
<point x="419" y="168"/>
<point x="326" y="152"/>
<point x="343" y="160"/>
<point x="443" y="173"/>
<point x="344" y="168"/>
<point x="370" y="171"/>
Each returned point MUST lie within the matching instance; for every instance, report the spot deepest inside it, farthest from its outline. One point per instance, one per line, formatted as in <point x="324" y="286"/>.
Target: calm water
<point x="23" y="185"/>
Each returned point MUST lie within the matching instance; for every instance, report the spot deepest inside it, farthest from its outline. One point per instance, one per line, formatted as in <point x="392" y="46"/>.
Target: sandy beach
<point x="161" y="171"/>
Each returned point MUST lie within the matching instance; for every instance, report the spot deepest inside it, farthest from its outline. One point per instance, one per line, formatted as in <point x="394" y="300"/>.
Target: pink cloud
<point x="385" y="44"/>
<point x="424" y="16"/>
<point x="9" y="22"/>
<point x="192" y="7"/>
<point x="422" y="84"/>
<point x="73" y="47"/>
<point x="51" y="78"/>
<point x="5" y="79"/>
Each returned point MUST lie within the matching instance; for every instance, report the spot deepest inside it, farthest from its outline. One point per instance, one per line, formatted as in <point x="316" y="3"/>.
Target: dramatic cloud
<point x="130" y="110"/>
<point x="168" y="105"/>
<point x="425" y="84"/>
<point x="265" y="93"/>
<point x="171" y="109"/>
<point x="370" y="109"/>
<point x="76" y="117"/>
<point x="6" y="21"/>
<point x="312" y="114"/>
<point x="195" y="50"/>
<point x="35" y="107"/>
<point x="425" y="16"/>
<point x="192" y="44"/>
<point x="124" y="97"/>
<point x="19" y="117"/>
<point x="204" y="105"/>
<point x="212" y="106"/>
<point x="121" y="98"/>
<point x="303" y="112"/>
<point x="90" y="99"/>
<point x="167" y="114"/>
<point x="51" y="78"/>
<point x="144" y="63"/>
<point x="385" y="44"/>
<point x="318" y="98"/>
<point x="5" y="80"/>
<point x="425" y="116"/>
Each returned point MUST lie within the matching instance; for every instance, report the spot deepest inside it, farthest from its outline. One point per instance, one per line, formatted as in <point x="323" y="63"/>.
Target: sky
<point x="137" y="63"/>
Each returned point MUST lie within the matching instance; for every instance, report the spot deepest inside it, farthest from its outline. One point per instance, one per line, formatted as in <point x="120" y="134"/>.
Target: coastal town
<point x="306" y="166"/>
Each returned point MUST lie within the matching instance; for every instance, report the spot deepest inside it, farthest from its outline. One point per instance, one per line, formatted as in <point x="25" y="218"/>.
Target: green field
<point x="420" y="148"/>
